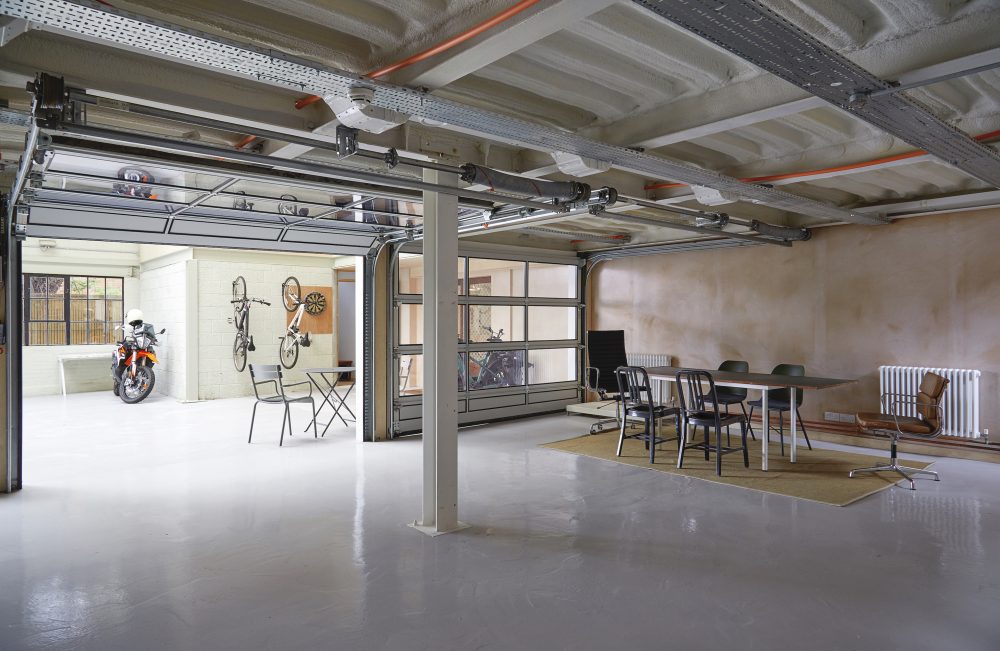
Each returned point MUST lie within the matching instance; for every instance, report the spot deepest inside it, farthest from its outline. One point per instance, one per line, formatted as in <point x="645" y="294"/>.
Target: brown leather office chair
<point x="927" y="424"/>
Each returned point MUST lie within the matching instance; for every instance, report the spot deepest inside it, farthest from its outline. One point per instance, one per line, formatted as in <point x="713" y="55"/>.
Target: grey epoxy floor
<point x="157" y="527"/>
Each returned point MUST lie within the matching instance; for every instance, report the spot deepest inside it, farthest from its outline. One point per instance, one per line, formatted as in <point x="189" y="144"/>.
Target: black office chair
<point x="732" y="395"/>
<point x="605" y="354"/>
<point x="695" y="411"/>
<point x="637" y="402"/>
<point x="780" y="400"/>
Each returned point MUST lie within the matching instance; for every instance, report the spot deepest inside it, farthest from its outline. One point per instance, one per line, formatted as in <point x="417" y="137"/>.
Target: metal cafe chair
<point x="637" y="402"/>
<point x="733" y="395"/>
<point x="270" y="374"/>
<point x="701" y="409"/>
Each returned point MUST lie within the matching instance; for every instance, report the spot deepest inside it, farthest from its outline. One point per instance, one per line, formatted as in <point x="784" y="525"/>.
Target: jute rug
<point x="818" y="475"/>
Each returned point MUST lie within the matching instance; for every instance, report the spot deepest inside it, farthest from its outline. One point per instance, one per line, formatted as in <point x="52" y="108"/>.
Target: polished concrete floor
<point x="156" y="526"/>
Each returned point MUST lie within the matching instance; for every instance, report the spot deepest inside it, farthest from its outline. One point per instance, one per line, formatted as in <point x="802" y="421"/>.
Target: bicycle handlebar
<point x="252" y="300"/>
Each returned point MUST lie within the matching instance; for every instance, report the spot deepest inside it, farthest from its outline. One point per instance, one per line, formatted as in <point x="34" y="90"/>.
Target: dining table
<point x="761" y="382"/>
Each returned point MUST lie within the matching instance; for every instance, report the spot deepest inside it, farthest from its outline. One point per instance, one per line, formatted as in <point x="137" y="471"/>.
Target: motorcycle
<point x="132" y="362"/>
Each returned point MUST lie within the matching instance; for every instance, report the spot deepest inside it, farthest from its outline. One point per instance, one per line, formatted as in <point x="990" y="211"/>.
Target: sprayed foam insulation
<point x="621" y="75"/>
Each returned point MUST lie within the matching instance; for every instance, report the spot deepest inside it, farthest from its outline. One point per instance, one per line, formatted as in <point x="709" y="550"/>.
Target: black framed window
<point x="71" y="310"/>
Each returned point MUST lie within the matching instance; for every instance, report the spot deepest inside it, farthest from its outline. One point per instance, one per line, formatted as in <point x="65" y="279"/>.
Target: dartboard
<point x="315" y="303"/>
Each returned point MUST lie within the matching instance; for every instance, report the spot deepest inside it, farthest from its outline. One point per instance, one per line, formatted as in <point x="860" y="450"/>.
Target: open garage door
<point x="114" y="193"/>
<point x="113" y="186"/>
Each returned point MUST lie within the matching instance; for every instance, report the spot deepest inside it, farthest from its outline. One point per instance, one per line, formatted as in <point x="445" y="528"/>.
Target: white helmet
<point x="133" y="316"/>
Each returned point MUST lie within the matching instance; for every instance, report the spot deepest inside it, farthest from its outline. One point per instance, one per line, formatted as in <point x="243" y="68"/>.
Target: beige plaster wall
<point x="922" y="291"/>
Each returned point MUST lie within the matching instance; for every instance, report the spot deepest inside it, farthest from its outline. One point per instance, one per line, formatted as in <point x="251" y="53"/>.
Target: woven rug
<point x="819" y="475"/>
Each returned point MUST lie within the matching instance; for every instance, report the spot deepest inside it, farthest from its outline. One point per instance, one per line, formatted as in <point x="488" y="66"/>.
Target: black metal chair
<point x="605" y="354"/>
<point x="780" y="400"/>
<point x="637" y="402"/>
<point x="733" y="395"/>
<point x="701" y="409"/>
<point x="270" y="374"/>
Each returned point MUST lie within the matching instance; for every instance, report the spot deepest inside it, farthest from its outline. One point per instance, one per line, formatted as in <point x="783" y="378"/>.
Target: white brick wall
<point x="41" y="370"/>
<point x="164" y="304"/>
<point x="218" y="377"/>
<point x="41" y="367"/>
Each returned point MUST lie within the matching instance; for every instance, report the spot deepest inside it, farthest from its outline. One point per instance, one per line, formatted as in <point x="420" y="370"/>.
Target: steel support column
<point x="440" y="402"/>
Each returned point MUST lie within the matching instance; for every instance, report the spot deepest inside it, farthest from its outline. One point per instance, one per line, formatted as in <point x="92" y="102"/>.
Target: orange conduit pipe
<point x="443" y="46"/>
<point x="983" y="137"/>
<point x="246" y="141"/>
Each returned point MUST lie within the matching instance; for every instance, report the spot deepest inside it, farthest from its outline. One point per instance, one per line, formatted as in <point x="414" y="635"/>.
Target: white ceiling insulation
<point x="606" y="70"/>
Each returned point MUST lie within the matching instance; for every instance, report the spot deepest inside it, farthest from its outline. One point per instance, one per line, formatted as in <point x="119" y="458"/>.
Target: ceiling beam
<point x="518" y="32"/>
<point x="738" y="117"/>
<point x="755" y="33"/>
<point x="969" y="201"/>
<point x="112" y="28"/>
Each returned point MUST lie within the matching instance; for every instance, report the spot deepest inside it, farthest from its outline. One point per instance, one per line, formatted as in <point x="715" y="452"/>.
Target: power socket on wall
<point x="837" y="417"/>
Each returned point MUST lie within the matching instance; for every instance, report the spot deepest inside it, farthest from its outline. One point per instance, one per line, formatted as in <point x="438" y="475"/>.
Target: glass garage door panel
<point x="496" y="369"/>
<point x="552" y="280"/>
<point x="410" y="324"/>
<point x="551" y="323"/>
<point x="552" y="365"/>
<point x="496" y="277"/>
<point x="496" y="323"/>
<point x="411" y="374"/>
<point x="410" y="274"/>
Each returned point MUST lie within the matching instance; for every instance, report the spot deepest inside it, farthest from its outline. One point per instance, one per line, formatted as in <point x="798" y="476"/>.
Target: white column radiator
<point x="960" y="403"/>
<point x="662" y="390"/>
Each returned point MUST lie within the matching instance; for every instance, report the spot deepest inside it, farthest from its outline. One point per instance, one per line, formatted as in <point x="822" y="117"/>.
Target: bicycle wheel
<point x="239" y="289"/>
<point x="291" y="293"/>
<point x="240" y="352"/>
<point x="288" y="351"/>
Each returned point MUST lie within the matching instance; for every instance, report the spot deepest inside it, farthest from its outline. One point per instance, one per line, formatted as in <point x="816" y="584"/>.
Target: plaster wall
<point x="922" y="291"/>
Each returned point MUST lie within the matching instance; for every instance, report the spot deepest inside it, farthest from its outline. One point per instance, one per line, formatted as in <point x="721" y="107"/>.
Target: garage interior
<point x="476" y="201"/>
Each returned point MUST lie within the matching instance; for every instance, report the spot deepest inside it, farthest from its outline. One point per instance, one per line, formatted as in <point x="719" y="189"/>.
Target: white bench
<point x="71" y="358"/>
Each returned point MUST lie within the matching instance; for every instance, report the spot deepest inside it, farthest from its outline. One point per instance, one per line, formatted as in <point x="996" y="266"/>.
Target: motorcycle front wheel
<point x="136" y="389"/>
<point x="288" y="351"/>
<point x="240" y="352"/>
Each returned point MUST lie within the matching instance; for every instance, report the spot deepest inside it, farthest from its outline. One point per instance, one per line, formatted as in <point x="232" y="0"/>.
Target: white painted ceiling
<point x="609" y="70"/>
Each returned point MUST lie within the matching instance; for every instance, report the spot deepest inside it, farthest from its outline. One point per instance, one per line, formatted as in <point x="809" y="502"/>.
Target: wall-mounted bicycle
<point x="291" y="297"/>
<point x="241" y="317"/>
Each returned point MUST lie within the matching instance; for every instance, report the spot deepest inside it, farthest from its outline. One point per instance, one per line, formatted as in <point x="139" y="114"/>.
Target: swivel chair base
<point x="893" y="466"/>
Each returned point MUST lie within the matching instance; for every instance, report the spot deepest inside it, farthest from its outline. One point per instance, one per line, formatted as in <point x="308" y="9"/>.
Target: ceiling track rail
<point x="755" y="33"/>
<point x="127" y="154"/>
<point x="260" y="160"/>
<point x="112" y="27"/>
<point x="671" y="247"/>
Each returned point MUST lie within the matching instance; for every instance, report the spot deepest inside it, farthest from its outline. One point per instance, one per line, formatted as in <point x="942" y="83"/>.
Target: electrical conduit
<point x="443" y="46"/>
<point x="983" y="137"/>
